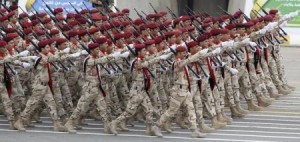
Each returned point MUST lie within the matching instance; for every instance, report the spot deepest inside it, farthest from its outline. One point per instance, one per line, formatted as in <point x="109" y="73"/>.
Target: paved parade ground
<point x="276" y="123"/>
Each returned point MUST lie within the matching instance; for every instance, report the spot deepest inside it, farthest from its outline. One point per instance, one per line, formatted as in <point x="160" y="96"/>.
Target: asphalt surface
<point x="276" y="123"/>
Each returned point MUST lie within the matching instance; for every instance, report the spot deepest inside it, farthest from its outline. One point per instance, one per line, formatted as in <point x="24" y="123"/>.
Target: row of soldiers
<point x="154" y="69"/>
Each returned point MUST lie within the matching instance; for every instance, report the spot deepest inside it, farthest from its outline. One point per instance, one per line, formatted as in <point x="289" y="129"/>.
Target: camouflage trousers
<point x="280" y="67"/>
<point x="122" y="89"/>
<point x="112" y="99"/>
<point x="267" y="77"/>
<point x="155" y="99"/>
<point x="244" y="81"/>
<point x="138" y="97"/>
<point x="219" y="91"/>
<point x="229" y="88"/>
<point x="274" y="72"/>
<point x="18" y="96"/>
<point x="91" y="95"/>
<point x="180" y="97"/>
<point x="254" y="79"/>
<point x="6" y="102"/>
<point x="197" y="101"/>
<point x="40" y="92"/>
<point x="207" y="97"/>
<point x="75" y="83"/>
<point x="162" y="92"/>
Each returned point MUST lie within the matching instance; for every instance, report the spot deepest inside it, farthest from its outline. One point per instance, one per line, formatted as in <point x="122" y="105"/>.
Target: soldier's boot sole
<point x="235" y="113"/>
<point x="113" y="127"/>
<point x="156" y="131"/>
<point x="70" y="128"/>
<point x="197" y="134"/>
<point x="205" y="129"/>
<point x="123" y="126"/>
<point x="19" y="125"/>
<point x="253" y="107"/>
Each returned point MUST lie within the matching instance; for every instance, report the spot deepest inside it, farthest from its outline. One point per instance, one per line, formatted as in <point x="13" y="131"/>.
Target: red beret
<point x="268" y="18"/>
<point x="150" y="16"/>
<point x="72" y="23"/>
<point x="116" y="24"/>
<point x="149" y="42"/>
<point x="43" y="43"/>
<point x="93" y="45"/>
<point x="255" y="21"/>
<point x="66" y="28"/>
<point x="163" y="13"/>
<point x="260" y="19"/>
<point x="60" y="41"/>
<point x="13" y="7"/>
<point x="118" y="36"/>
<point x="26" y="24"/>
<point x="158" y="39"/>
<point x="10" y="14"/>
<point x="138" y="21"/>
<point x="167" y="23"/>
<point x="10" y="37"/>
<point x="3" y="18"/>
<point x="84" y="11"/>
<point x="177" y="33"/>
<point x="42" y="14"/>
<point x="96" y="17"/>
<point x="215" y="32"/>
<point x="237" y="14"/>
<point x="138" y="47"/>
<point x="58" y="10"/>
<point x="34" y="22"/>
<point x="157" y="15"/>
<point x="72" y="33"/>
<point x="33" y="17"/>
<point x="230" y="26"/>
<point x="82" y="21"/>
<point x="112" y="14"/>
<point x="125" y="10"/>
<point x="224" y="31"/>
<point x="109" y="42"/>
<point x="180" y="49"/>
<point x="60" y="17"/>
<point x="224" y="17"/>
<point x="94" y="10"/>
<point x="70" y="15"/>
<point x="127" y="35"/>
<point x="152" y="25"/>
<point x="47" y="20"/>
<point x="136" y="33"/>
<point x="23" y="15"/>
<point x="120" y="14"/>
<point x="82" y="33"/>
<point x="93" y="30"/>
<point x="185" y="18"/>
<point x="104" y="27"/>
<point x="27" y="31"/>
<point x="40" y="32"/>
<point x="207" y="20"/>
<point x="192" y="44"/>
<point x="143" y="27"/>
<point x="10" y="30"/>
<point x="125" y="23"/>
<point x="3" y="10"/>
<point x="248" y="24"/>
<point x="50" y="41"/>
<point x="273" y="11"/>
<point x="169" y="34"/>
<point x="176" y="21"/>
<point x="54" y="32"/>
<point x="101" y="40"/>
<point x="2" y="43"/>
<point x="202" y="38"/>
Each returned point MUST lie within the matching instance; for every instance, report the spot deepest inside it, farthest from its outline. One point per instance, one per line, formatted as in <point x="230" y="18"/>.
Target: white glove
<point x="223" y="64"/>
<point x="111" y="72"/>
<point x="74" y="55"/>
<point x="227" y="44"/>
<point x="217" y="51"/>
<point x="203" y="52"/>
<point x="173" y="47"/>
<point x="253" y="44"/>
<point x="26" y="65"/>
<point x="84" y="52"/>
<point x="116" y="54"/>
<point x="196" y="79"/>
<point x="246" y="41"/>
<point x="33" y="57"/>
<point x="262" y="31"/>
<point x="233" y="71"/>
<point x="24" y="53"/>
<point x="17" y="62"/>
<point x="125" y="54"/>
<point x="164" y="57"/>
<point x="67" y="50"/>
